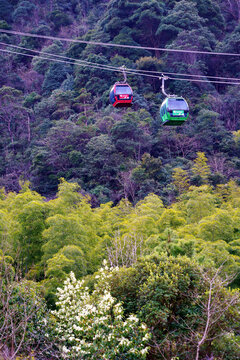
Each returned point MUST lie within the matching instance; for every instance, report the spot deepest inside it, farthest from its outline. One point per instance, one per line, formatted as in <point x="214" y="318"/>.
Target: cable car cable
<point x="118" y="45"/>
<point x="60" y="61"/>
<point x="115" y="69"/>
<point x="60" y="56"/>
<point x="80" y="64"/>
<point x="75" y="62"/>
<point x="190" y="75"/>
<point x="208" y="81"/>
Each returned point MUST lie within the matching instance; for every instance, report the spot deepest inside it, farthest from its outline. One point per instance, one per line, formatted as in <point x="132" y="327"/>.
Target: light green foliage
<point x="7" y="270"/>
<point x="217" y="227"/>
<point x="171" y="244"/>
<point x="6" y="226"/>
<point x="16" y="202"/>
<point x="69" y="258"/>
<point x="53" y="238"/>
<point x="72" y="234"/>
<point x="200" y="167"/>
<point x="58" y="267"/>
<point x="228" y="195"/>
<point x="62" y="230"/>
<point x="68" y="197"/>
<point x="234" y="194"/>
<point x="189" y="231"/>
<point x="120" y="213"/>
<point x="133" y="228"/>
<point x="22" y="222"/>
<point x="180" y="180"/>
<point x="105" y="213"/>
<point x="143" y="220"/>
<point x="92" y="325"/>
<point x="236" y="222"/>
<point x="32" y="224"/>
<point x="236" y="136"/>
<point x="201" y="203"/>
<point x="170" y="218"/>
<point x="227" y="347"/>
<point x="148" y="63"/>
<point x="66" y="234"/>
<point x="218" y="253"/>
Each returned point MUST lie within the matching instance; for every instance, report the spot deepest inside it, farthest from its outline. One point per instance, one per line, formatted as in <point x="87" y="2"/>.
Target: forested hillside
<point x="170" y="267"/>
<point x="55" y="117"/>
<point x="119" y="237"/>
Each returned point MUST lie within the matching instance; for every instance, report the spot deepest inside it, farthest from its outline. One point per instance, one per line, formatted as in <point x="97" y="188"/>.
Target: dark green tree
<point x="177" y="299"/>
<point x="23" y="12"/>
<point x="54" y="77"/>
<point x="146" y="19"/>
<point x="59" y="18"/>
<point x="184" y="16"/>
<point x="101" y="162"/>
<point x="6" y="10"/>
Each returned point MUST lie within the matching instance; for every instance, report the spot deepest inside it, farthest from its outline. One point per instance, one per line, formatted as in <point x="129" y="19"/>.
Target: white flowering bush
<point x="92" y="325"/>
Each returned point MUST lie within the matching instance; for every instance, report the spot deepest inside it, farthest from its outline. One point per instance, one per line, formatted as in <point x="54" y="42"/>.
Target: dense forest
<point x="168" y="266"/>
<point x="119" y="237"/>
<point x="55" y="117"/>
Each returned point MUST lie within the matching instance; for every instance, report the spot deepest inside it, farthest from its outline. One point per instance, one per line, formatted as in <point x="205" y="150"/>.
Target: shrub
<point x="92" y="325"/>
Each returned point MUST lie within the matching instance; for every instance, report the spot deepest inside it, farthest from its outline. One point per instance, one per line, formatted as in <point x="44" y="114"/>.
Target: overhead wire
<point x="57" y="55"/>
<point x="98" y="43"/>
<point x="58" y="60"/>
<point x="190" y="75"/>
<point x="117" y="69"/>
<point x="108" y="68"/>
<point x="98" y="66"/>
<point x="206" y="81"/>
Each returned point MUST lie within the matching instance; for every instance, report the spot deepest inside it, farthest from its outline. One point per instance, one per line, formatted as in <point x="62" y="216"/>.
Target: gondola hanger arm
<point x="163" y="78"/>
<point x="123" y="68"/>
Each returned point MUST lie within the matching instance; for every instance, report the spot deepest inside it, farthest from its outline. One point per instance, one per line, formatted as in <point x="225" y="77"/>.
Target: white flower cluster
<point x="91" y="326"/>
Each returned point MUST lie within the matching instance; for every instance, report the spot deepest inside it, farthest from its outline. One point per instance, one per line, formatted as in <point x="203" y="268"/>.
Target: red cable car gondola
<point x="121" y="95"/>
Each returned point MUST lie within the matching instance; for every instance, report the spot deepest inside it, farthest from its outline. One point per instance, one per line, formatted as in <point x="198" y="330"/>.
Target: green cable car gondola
<point x="174" y="111"/>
